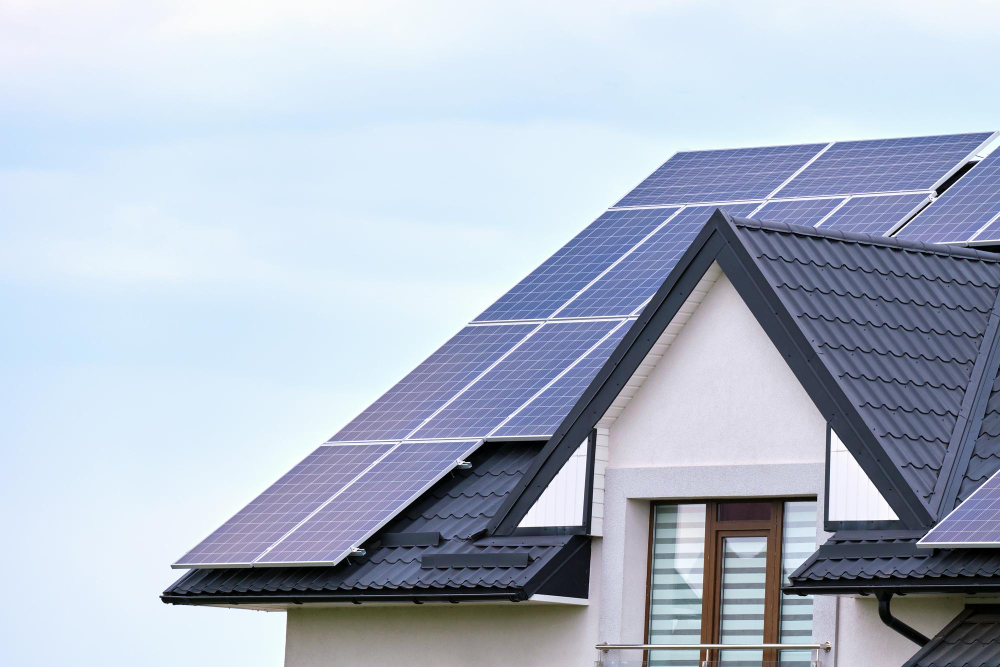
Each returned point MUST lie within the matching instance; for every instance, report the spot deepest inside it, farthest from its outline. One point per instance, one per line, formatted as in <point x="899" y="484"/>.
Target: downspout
<point x="885" y="613"/>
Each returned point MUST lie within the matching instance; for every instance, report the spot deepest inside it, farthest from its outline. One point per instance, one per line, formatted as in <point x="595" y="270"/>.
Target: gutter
<point x="286" y="598"/>
<point x="885" y="613"/>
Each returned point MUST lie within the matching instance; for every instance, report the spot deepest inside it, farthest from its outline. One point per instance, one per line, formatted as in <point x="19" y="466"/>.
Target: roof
<point x="972" y="639"/>
<point x="454" y="567"/>
<point x="867" y="561"/>
<point x="886" y="336"/>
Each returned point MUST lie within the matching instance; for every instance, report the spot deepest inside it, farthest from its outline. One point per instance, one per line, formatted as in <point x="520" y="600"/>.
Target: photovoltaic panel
<point x="365" y="506"/>
<point x="546" y="411"/>
<point x="283" y="505"/>
<point x="797" y="212"/>
<point x="974" y="523"/>
<point x="509" y="384"/>
<point x="636" y="278"/>
<point x="442" y="375"/>
<point x="964" y="208"/>
<point x="574" y="265"/>
<point x="878" y="215"/>
<point x="734" y="174"/>
<point x="885" y="165"/>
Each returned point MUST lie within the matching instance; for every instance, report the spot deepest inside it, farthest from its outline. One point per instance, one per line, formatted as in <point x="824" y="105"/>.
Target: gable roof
<point x="425" y="553"/>
<point x="972" y="638"/>
<point x="885" y="335"/>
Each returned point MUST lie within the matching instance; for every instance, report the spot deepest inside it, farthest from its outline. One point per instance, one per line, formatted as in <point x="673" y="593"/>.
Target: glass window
<point x="716" y="571"/>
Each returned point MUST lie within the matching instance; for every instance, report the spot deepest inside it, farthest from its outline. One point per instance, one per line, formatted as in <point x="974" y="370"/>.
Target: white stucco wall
<point x="444" y="635"/>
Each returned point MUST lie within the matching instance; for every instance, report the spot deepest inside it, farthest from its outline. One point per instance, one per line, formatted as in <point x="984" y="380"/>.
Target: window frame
<point x="715" y="532"/>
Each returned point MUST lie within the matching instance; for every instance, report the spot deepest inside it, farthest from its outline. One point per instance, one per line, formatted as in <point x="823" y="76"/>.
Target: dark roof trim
<point x="409" y="539"/>
<point x="610" y="380"/>
<point x="875" y="550"/>
<point x="970" y="418"/>
<point x="417" y="595"/>
<point x="719" y="241"/>
<point x="963" y="586"/>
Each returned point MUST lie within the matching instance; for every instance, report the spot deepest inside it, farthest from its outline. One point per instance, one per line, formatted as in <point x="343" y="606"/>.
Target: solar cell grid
<point x="637" y="277"/>
<point x="720" y="175"/>
<point x="878" y="215"/>
<point x="974" y="523"/>
<point x="283" y="505"/>
<point x="798" y="212"/>
<point x="542" y="415"/>
<point x="368" y="504"/>
<point x="513" y="381"/>
<point x="884" y="165"/>
<point x="963" y="209"/>
<point x="433" y="382"/>
<point x="575" y="264"/>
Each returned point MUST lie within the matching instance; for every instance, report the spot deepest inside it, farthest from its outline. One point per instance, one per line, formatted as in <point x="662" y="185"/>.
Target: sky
<point x="227" y="226"/>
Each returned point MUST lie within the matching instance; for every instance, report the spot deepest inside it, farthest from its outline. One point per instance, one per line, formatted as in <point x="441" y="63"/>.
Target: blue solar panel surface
<point x="798" y="212"/>
<point x="884" y="165"/>
<point x="513" y="381"/>
<point x="963" y="209"/>
<point x="720" y="175"/>
<point x="575" y="264"/>
<point x="368" y="504"/>
<point x="283" y="505"/>
<point x="433" y="382"/>
<point x="976" y="522"/>
<point x="876" y="215"/>
<point x="542" y="415"/>
<point x="636" y="278"/>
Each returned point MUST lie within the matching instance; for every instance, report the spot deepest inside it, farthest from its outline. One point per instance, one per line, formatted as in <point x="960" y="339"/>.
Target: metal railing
<point x="825" y="647"/>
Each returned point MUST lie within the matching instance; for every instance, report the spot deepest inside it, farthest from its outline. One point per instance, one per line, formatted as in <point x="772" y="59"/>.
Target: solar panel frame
<point x="294" y="494"/>
<point x="435" y="381"/>
<point x="885" y="215"/>
<point x="576" y="264"/>
<point x="625" y="287"/>
<point x="401" y="476"/>
<point x="515" y="380"/>
<point x="901" y="164"/>
<point x="706" y="188"/>
<point x="946" y="528"/>
<point x="964" y="210"/>
<point x="806" y="212"/>
<point x="541" y="414"/>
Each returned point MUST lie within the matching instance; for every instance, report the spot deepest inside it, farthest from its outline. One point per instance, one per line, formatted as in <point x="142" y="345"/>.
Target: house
<point x="727" y="412"/>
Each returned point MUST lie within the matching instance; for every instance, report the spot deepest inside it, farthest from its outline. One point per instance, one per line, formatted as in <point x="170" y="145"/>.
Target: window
<point x="715" y="576"/>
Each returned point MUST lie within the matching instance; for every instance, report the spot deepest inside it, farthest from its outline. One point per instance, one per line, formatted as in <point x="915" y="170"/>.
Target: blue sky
<point x="226" y="227"/>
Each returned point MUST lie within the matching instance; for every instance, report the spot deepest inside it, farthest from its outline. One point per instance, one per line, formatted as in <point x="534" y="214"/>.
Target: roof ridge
<point x="869" y="239"/>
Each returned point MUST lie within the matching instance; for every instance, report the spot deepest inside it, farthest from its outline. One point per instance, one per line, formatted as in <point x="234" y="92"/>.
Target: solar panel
<point x="734" y="174"/>
<point x="442" y="375"/>
<point x="632" y="281"/>
<point x="974" y="523"/>
<point x="885" y="165"/>
<point x="798" y="211"/>
<point x="513" y="381"/>
<point x="574" y="265"/>
<point x="365" y="506"/>
<point x="964" y="208"/>
<point x="283" y="505"/>
<point x="879" y="215"/>
<point x="546" y="411"/>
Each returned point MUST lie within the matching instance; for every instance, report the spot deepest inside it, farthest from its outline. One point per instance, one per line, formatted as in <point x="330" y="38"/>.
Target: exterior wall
<point x="853" y="497"/>
<point x="486" y="635"/>
<point x="721" y="415"/>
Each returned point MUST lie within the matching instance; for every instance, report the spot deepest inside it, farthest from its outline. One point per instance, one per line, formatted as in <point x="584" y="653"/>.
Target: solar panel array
<point x="328" y="504"/>
<point x="974" y="523"/>
<point x="518" y="369"/>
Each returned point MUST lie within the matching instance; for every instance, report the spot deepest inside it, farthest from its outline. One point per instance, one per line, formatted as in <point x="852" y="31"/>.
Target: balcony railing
<point x="606" y="660"/>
